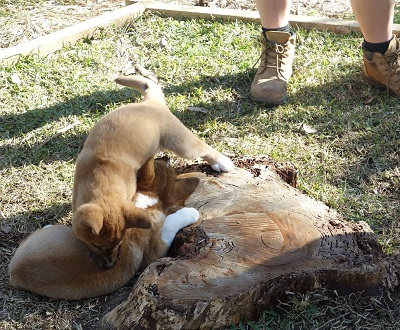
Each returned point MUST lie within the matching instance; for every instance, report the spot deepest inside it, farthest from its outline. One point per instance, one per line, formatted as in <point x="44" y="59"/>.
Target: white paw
<point x="223" y="164"/>
<point x="188" y="215"/>
<point x="176" y="221"/>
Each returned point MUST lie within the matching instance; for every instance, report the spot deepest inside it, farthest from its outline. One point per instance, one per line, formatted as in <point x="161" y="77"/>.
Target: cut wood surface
<point x="257" y="239"/>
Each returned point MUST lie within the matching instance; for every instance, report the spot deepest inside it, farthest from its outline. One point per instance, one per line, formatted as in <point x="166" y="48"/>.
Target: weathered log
<point x="259" y="238"/>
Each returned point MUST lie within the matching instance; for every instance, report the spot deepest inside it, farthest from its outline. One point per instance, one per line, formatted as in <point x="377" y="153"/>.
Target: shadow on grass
<point x="367" y="116"/>
<point x="65" y="147"/>
<point x="340" y="105"/>
<point x="23" y="123"/>
<point x="26" y="223"/>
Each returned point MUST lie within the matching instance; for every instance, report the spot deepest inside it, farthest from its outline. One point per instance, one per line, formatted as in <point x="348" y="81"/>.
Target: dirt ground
<point x="26" y="20"/>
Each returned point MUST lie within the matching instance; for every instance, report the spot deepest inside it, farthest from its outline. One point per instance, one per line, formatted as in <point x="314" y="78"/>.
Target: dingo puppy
<point x="52" y="262"/>
<point x="106" y="168"/>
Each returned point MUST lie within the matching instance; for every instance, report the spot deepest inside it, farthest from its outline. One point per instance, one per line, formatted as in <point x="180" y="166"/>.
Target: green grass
<point x="397" y="14"/>
<point x="351" y="163"/>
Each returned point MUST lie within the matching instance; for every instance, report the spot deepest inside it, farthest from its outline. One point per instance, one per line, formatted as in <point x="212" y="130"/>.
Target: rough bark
<point x="258" y="238"/>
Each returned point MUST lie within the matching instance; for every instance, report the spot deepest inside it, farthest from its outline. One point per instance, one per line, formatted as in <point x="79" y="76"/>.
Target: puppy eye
<point x="98" y="247"/>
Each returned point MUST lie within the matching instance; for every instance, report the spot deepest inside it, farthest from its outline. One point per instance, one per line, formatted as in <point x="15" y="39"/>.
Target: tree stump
<point x="257" y="239"/>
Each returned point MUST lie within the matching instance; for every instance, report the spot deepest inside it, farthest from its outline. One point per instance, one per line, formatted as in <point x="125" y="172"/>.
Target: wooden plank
<point x="324" y="23"/>
<point x="196" y="12"/>
<point x="49" y="43"/>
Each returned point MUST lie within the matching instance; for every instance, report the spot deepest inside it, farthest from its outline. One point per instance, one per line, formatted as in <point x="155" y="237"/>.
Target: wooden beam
<point x="198" y="12"/>
<point x="195" y="12"/>
<point x="51" y="42"/>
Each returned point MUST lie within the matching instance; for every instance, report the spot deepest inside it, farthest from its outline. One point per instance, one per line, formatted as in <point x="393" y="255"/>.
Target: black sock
<point x="380" y="47"/>
<point x="281" y="29"/>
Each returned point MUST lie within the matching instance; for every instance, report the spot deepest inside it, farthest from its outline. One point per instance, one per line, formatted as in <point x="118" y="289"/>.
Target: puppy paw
<point x="188" y="215"/>
<point x="176" y="221"/>
<point x="223" y="164"/>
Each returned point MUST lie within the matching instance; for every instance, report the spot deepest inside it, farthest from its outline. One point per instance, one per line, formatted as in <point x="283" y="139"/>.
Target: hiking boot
<point x="270" y="83"/>
<point x="383" y="70"/>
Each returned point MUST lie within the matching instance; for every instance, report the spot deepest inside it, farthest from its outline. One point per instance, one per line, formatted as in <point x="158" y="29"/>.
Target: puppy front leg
<point x="222" y="163"/>
<point x="179" y="139"/>
<point x="198" y="148"/>
<point x="176" y="221"/>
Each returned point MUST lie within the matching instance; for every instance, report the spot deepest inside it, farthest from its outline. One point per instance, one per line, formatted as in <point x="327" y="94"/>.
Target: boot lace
<point x="271" y="57"/>
<point x="393" y="60"/>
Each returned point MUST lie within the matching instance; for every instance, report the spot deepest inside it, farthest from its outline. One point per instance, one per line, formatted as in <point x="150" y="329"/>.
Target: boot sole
<point x="378" y="85"/>
<point x="269" y="104"/>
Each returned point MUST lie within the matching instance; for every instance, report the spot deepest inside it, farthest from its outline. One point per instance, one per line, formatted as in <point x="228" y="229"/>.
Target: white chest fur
<point x="144" y="201"/>
<point x="174" y="222"/>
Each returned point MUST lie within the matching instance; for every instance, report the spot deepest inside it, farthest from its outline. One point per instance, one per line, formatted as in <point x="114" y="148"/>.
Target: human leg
<point x="274" y="13"/>
<point x="375" y="18"/>
<point x="270" y="83"/>
<point x="381" y="48"/>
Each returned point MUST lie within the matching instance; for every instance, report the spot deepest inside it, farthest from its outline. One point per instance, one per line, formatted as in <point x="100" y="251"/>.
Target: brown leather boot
<point x="270" y="83"/>
<point x="383" y="70"/>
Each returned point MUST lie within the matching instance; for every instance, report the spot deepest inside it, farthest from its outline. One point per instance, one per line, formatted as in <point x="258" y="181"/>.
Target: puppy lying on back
<point x="106" y="168"/>
<point x="52" y="262"/>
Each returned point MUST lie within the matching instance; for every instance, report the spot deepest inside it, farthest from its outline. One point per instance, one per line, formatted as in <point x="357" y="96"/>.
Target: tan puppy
<point x="52" y="262"/>
<point x="106" y="169"/>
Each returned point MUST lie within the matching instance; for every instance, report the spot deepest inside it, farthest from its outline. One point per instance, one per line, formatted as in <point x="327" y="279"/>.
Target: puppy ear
<point x="165" y="159"/>
<point x="136" y="217"/>
<point x="146" y="175"/>
<point x="88" y="217"/>
<point x="183" y="188"/>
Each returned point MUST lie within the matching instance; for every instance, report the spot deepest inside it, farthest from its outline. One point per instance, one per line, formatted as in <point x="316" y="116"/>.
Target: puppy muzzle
<point x="105" y="259"/>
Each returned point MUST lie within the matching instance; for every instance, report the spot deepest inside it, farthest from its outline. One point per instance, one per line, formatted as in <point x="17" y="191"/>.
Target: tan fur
<point x="106" y="169"/>
<point x="52" y="262"/>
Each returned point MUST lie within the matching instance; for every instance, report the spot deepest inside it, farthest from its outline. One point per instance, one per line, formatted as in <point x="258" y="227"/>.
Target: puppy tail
<point x="148" y="88"/>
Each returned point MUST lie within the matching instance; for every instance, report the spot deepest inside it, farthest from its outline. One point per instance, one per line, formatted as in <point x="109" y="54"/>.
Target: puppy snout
<point x="105" y="258"/>
<point x="110" y="257"/>
<point x="106" y="263"/>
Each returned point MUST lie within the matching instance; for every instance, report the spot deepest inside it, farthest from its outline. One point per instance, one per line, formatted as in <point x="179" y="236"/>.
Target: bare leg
<point x="375" y="18"/>
<point x="274" y="13"/>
